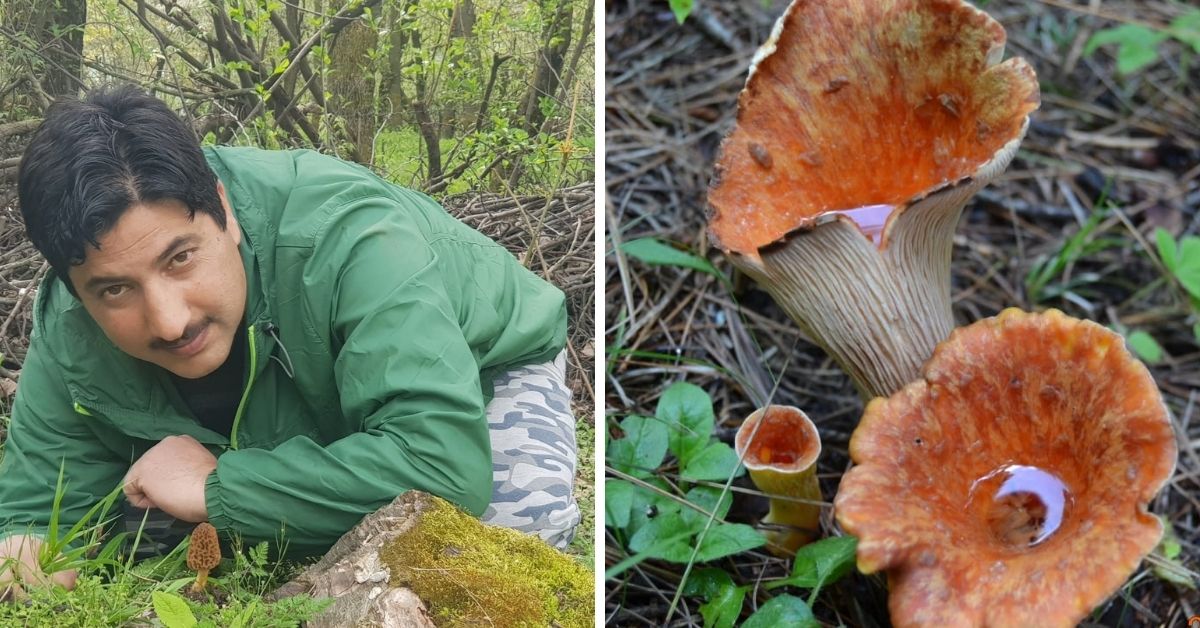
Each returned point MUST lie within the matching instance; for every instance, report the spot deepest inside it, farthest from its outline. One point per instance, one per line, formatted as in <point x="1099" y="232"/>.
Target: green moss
<point x="472" y="574"/>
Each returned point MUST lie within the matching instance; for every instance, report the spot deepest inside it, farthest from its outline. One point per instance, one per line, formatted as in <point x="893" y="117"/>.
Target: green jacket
<point x="391" y="317"/>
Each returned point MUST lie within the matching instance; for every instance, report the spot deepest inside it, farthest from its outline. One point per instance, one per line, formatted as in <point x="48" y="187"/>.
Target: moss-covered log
<point x="420" y="561"/>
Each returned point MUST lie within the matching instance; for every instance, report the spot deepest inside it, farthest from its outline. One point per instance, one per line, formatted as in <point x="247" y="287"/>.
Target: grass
<point x="583" y="545"/>
<point x="108" y="597"/>
<point x="113" y="589"/>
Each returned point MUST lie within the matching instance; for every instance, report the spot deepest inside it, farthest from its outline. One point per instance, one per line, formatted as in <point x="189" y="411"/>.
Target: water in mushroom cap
<point x="1022" y="505"/>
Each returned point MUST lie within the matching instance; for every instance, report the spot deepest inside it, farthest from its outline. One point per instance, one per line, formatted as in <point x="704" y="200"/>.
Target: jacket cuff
<point x="213" y="504"/>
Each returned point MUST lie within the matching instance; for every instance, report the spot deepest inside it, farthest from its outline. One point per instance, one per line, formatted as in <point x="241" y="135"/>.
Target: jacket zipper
<point x="237" y="417"/>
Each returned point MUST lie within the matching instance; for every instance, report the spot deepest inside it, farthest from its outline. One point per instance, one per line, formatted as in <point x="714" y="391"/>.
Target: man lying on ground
<point x="276" y="342"/>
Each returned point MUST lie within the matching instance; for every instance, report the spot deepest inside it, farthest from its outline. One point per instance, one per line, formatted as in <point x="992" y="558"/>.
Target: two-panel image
<point x="545" y="313"/>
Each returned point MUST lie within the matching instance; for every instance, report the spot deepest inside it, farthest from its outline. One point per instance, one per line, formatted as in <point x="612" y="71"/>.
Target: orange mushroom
<point x="779" y="446"/>
<point x="204" y="554"/>
<point x="864" y="128"/>
<point x="1009" y="486"/>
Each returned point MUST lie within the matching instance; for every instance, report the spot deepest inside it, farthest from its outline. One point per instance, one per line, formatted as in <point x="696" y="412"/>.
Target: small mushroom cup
<point x="779" y="446"/>
<point x="1010" y="485"/>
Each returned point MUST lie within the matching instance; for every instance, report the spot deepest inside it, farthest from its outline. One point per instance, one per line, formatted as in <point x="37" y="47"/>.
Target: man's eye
<point x="113" y="291"/>
<point x="182" y="257"/>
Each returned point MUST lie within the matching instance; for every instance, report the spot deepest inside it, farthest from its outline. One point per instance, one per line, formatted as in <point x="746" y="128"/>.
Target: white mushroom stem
<point x="878" y="312"/>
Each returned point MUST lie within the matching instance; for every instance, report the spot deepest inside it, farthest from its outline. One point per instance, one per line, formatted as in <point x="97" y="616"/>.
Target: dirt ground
<point x="1127" y="147"/>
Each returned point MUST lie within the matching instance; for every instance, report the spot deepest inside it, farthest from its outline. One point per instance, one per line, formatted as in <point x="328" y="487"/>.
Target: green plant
<point x="815" y="566"/>
<point x="1144" y="345"/>
<point x="657" y="253"/>
<point x="1042" y="281"/>
<point x="684" y="523"/>
<point x="1182" y="262"/>
<point x="1137" y="45"/>
<point x="681" y="8"/>
<point x="113" y="589"/>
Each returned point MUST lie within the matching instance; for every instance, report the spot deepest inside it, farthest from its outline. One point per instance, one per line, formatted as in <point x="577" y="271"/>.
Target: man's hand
<point x="170" y="477"/>
<point x="19" y="554"/>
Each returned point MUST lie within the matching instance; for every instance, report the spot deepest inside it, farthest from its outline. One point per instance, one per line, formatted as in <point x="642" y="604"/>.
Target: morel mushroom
<point x="779" y="445"/>
<point x="204" y="554"/>
<point x="1010" y="485"/>
<point x="864" y="128"/>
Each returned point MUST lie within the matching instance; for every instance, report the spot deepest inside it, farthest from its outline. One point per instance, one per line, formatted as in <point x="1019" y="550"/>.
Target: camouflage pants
<point x="533" y="463"/>
<point x="533" y="452"/>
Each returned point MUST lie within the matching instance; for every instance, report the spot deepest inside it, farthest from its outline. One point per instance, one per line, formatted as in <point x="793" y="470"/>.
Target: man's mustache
<point x="189" y="334"/>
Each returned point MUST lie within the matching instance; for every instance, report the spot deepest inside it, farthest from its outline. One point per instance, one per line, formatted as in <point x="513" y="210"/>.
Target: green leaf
<point x="681" y="8"/>
<point x="1137" y="45"/>
<point x="724" y="598"/>
<point x="243" y="620"/>
<point x="642" y="449"/>
<point x="783" y="610"/>
<point x="1133" y="57"/>
<point x="717" y="461"/>
<point x="1168" y="551"/>
<point x="1196" y="331"/>
<point x="649" y="504"/>
<point x="1187" y="268"/>
<point x="656" y="253"/>
<point x="708" y="498"/>
<point x="670" y="537"/>
<point x="724" y="539"/>
<point x="687" y="410"/>
<point x="1144" y="345"/>
<point x="706" y="581"/>
<point x="173" y="610"/>
<point x="819" y="564"/>
<point x="1166" y="248"/>
<point x="618" y="502"/>
<point x="1186" y="28"/>
<point x="666" y="536"/>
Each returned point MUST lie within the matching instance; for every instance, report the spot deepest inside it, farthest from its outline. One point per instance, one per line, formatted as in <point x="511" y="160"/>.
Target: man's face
<point x="166" y="289"/>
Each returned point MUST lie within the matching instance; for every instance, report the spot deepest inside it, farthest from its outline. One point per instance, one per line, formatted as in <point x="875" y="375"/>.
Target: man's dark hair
<point x="91" y="160"/>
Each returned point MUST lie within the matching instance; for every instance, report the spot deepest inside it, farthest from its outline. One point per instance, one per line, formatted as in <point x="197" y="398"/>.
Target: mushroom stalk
<point x="864" y="129"/>
<point x="201" y="581"/>
<point x="779" y="446"/>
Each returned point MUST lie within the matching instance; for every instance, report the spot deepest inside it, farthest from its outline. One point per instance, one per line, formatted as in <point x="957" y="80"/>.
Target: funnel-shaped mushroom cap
<point x="864" y="128"/>
<point x="1009" y="487"/>
<point x="779" y="446"/>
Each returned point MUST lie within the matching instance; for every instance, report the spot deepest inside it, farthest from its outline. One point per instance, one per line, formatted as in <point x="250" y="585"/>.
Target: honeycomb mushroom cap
<point x="204" y="552"/>
<point x="1019" y="390"/>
